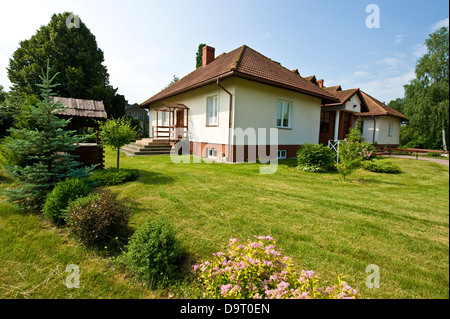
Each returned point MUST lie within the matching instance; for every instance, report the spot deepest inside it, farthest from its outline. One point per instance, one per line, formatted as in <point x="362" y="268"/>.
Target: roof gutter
<point x="230" y="123"/>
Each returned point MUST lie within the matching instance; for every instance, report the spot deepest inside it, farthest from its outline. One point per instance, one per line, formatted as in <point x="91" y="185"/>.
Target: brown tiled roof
<point x="243" y="62"/>
<point x="332" y="89"/>
<point x="81" y="108"/>
<point x="343" y="96"/>
<point x="377" y="108"/>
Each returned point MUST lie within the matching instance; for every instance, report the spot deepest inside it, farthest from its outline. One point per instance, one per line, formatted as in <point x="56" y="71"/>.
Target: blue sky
<point x="147" y="42"/>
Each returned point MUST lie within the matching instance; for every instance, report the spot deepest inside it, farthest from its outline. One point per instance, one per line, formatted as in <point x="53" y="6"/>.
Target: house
<point x="138" y="113"/>
<point x="380" y="125"/>
<point x="236" y="92"/>
<point x="337" y="118"/>
<point x="84" y="113"/>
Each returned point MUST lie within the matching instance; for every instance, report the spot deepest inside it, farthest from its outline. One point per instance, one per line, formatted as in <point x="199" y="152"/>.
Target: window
<point x="325" y="122"/>
<point x="281" y="154"/>
<point x="361" y="127"/>
<point x="211" y="152"/>
<point x="283" y="113"/>
<point x="165" y="119"/>
<point x="391" y="126"/>
<point x="212" y="110"/>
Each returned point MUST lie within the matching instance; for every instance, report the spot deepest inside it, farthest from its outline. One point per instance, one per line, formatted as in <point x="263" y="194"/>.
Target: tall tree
<point x="426" y="101"/>
<point x="39" y="148"/>
<point x="199" y="55"/>
<point x="74" y="54"/>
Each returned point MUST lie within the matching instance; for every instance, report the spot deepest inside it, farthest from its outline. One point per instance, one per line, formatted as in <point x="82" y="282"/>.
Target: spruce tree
<point x="39" y="147"/>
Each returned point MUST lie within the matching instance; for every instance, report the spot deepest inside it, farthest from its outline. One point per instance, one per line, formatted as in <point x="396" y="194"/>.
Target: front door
<point x="326" y="126"/>
<point x="180" y="118"/>
<point x="179" y="127"/>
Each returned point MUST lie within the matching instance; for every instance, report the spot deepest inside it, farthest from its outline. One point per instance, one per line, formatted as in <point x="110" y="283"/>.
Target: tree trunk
<point x="118" y="155"/>
<point x="443" y="139"/>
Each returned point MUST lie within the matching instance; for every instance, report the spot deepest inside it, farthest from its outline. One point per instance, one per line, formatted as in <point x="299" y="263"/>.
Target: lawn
<point x="398" y="222"/>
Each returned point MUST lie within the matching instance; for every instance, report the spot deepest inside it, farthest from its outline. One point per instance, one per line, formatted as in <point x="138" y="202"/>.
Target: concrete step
<point x="132" y="150"/>
<point x="153" y="141"/>
<point x="150" y="147"/>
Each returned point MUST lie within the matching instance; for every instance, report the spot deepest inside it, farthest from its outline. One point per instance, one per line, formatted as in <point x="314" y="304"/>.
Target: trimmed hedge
<point x="315" y="158"/>
<point x="153" y="253"/>
<point x="99" y="219"/>
<point x="112" y="176"/>
<point x="382" y="166"/>
<point x="61" y="196"/>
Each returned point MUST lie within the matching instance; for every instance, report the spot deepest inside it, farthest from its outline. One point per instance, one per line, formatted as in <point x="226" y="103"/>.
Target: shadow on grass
<point x="153" y="178"/>
<point x="375" y="181"/>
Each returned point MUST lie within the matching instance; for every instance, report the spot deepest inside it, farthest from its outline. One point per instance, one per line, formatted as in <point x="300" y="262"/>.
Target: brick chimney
<point x="208" y="55"/>
<point x="320" y="83"/>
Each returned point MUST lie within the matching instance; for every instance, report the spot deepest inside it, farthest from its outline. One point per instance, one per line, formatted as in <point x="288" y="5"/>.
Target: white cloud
<point x="399" y="38"/>
<point x="361" y="73"/>
<point x="419" y="50"/>
<point x="440" y="24"/>
<point x="389" y="61"/>
<point x="388" y="88"/>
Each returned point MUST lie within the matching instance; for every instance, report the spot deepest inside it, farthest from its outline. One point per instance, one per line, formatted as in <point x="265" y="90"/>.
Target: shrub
<point x="113" y="176"/>
<point x="99" y="219"/>
<point x="153" y="252"/>
<point x="315" y="158"/>
<point x="256" y="270"/>
<point x="382" y="166"/>
<point x="434" y="154"/>
<point x="60" y="197"/>
<point x="78" y="203"/>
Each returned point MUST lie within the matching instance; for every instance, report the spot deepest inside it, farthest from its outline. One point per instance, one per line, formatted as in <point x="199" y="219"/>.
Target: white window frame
<point x="209" y="120"/>
<point x="210" y="152"/>
<point x="284" y="103"/>
<point x="390" y="128"/>
<point x="280" y="154"/>
<point x="165" y="118"/>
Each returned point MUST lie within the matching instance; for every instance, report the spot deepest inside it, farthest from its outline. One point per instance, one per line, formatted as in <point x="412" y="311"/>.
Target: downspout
<point x="374" y="128"/>
<point x="230" y="148"/>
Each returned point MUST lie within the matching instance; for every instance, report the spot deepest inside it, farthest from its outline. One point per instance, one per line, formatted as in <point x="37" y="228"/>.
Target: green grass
<point x="398" y="222"/>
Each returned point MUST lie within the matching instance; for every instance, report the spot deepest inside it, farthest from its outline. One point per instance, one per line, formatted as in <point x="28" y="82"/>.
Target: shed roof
<point x="81" y="108"/>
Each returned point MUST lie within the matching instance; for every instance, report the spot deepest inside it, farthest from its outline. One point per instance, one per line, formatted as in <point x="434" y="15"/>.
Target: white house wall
<point x="195" y="100"/>
<point x="256" y="107"/>
<point x="382" y="130"/>
<point x="350" y="105"/>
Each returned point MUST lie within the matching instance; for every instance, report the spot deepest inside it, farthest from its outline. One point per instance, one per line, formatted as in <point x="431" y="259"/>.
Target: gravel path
<point x="436" y="160"/>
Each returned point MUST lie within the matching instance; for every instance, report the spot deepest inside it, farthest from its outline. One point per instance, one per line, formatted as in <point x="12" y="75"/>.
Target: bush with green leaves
<point x="258" y="270"/>
<point x="153" y="253"/>
<point x="434" y="154"/>
<point x="315" y="158"/>
<point x="98" y="220"/>
<point x="382" y="166"/>
<point x="60" y="197"/>
<point x="117" y="133"/>
<point x="112" y="176"/>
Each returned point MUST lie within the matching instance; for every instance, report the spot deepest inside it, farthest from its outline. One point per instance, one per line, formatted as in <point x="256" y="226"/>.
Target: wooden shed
<point x="85" y="113"/>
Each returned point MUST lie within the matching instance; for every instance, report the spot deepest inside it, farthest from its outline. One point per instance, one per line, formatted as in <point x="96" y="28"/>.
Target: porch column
<point x="336" y="125"/>
<point x="150" y="129"/>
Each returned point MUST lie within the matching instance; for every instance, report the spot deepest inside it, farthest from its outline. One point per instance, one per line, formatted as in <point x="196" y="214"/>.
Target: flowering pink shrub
<point x="258" y="270"/>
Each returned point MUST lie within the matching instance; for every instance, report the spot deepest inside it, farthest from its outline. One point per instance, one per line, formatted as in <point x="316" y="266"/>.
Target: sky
<point x="146" y="43"/>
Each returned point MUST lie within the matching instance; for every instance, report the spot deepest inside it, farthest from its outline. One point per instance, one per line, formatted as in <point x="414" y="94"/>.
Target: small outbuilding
<point x="84" y="114"/>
